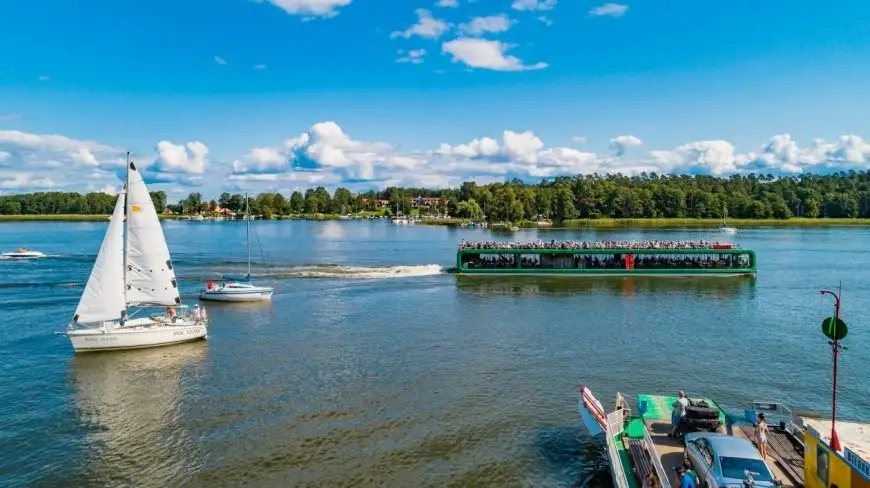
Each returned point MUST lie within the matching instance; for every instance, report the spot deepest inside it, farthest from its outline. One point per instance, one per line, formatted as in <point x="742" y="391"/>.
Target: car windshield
<point x="735" y="468"/>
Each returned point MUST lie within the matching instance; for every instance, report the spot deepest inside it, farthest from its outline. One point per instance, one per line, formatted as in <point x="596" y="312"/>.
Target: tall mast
<point x="123" y="194"/>
<point x="248" y="232"/>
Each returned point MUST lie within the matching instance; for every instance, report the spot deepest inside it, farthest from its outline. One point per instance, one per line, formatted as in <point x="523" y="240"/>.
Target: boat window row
<point x="607" y="261"/>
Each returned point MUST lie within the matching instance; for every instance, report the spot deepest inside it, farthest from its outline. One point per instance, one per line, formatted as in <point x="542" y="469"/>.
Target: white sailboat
<point x="238" y="289"/>
<point x="725" y="227"/>
<point x="133" y="270"/>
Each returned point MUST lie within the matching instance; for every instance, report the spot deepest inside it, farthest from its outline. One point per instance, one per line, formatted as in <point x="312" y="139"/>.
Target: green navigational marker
<point x="834" y="328"/>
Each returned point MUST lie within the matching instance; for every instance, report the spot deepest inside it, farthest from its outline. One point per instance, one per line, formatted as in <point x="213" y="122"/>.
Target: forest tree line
<point x="839" y="195"/>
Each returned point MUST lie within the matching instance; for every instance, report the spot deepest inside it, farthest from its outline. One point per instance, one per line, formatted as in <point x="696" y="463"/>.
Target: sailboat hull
<point x="154" y="334"/>
<point x="253" y="294"/>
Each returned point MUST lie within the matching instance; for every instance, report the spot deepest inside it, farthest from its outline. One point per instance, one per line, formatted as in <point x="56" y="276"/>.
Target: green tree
<point x="297" y="203"/>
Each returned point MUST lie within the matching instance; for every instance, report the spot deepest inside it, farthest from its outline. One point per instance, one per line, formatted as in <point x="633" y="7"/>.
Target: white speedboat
<point x="232" y="289"/>
<point x="133" y="271"/>
<point x="22" y="253"/>
<point x="725" y="227"/>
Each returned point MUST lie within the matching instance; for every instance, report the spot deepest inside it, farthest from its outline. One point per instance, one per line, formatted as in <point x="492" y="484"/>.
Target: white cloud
<point x="72" y="162"/>
<point x="176" y="158"/>
<point x="20" y="182"/>
<point x="326" y="155"/>
<point x="44" y="78"/>
<point x="414" y="56"/>
<point x="109" y="190"/>
<point x="579" y="139"/>
<point x="427" y="27"/>
<point x="448" y="3"/>
<point x="10" y="117"/>
<point x="311" y="8"/>
<point x="534" y="4"/>
<point x="609" y="10"/>
<point x="259" y="67"/>
<point x="48" y="150"/>
<point x="485" y="54"/>
<point x="624" y="143"/>
<point x="219" y="60"/>
<point x="482" y="25"/>
<point x="544" y="20"/>
<point x="324" y="148"/>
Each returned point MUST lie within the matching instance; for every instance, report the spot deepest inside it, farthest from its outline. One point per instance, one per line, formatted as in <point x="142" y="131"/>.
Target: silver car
<point x="724" y="461"/>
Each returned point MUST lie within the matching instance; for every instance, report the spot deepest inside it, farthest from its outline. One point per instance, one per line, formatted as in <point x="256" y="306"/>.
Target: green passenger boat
<point x="605" y="258"/>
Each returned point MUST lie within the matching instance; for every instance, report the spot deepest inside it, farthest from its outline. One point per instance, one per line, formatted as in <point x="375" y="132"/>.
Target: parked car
<point x="724" y="461"/>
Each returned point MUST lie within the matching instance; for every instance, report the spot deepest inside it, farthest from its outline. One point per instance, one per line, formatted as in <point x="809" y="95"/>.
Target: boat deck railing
<point x="615" y="423"/>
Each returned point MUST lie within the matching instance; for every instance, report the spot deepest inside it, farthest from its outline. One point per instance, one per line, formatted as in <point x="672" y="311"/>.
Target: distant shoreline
<point x="568" y="224"/>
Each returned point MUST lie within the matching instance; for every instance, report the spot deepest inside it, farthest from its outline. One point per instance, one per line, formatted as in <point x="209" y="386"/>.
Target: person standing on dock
<point x="678" y="412"/>
<point x="761" y="431"/>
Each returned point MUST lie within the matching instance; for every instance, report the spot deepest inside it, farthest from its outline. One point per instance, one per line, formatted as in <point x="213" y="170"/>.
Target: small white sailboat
<point x="22" y="253"/>
<point x="238" y="289"/>
<point x="133" y="270"/>
<point x="725" y="227"/>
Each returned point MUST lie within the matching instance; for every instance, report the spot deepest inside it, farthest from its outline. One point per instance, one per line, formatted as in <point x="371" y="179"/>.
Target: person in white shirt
<point x="678" y="412"/>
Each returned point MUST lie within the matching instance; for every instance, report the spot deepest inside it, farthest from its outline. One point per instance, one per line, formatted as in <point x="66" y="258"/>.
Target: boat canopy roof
<point x="553" y="245"/>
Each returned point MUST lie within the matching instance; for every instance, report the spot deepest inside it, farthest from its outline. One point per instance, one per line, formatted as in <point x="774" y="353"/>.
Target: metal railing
<point x="664" y="481"/>
<point x="615" y="422"/>
<point x="779" y="413"/>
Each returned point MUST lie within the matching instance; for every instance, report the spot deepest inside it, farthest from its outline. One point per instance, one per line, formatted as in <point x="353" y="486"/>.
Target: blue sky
<point x="283" y="94"/>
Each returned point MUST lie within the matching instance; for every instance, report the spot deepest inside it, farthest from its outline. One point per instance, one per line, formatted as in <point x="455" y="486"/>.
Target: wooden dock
<point x="787" y="456"/>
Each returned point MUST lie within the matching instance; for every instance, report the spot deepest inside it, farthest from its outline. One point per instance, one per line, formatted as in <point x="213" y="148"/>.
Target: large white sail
<point x="150" y="277"/>
<point x="103" y="298"/>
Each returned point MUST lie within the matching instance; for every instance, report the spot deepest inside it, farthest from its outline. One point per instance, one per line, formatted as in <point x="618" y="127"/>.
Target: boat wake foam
<point x="335" y="271"/>
<point x="358" y="272"/>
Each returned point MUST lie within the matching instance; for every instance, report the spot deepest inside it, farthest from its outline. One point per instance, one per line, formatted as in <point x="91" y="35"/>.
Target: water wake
<point x="335" y="271"/>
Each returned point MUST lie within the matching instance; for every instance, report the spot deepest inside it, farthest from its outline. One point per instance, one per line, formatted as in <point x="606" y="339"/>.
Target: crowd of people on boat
<point x="607" y="244"/>
<point x="608" y="261"/>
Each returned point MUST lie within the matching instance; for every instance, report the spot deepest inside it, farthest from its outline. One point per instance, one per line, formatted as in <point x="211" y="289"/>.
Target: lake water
<point x="373" y="367"/>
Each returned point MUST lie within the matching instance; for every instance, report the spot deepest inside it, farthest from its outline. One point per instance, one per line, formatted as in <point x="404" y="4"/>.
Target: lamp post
<point x="835" y="329"/>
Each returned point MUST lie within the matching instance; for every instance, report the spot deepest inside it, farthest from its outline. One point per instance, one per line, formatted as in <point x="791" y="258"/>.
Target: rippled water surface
<point x="373" y="367"/>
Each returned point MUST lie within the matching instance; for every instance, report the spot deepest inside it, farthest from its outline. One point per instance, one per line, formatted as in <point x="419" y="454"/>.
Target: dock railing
<point x="615" y="423"/>
<point x="778" y="413"/>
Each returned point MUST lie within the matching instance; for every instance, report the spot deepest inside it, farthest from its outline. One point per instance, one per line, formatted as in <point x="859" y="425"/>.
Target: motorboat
<point x="22" y="253"/>
<point x="725" y="227"/>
